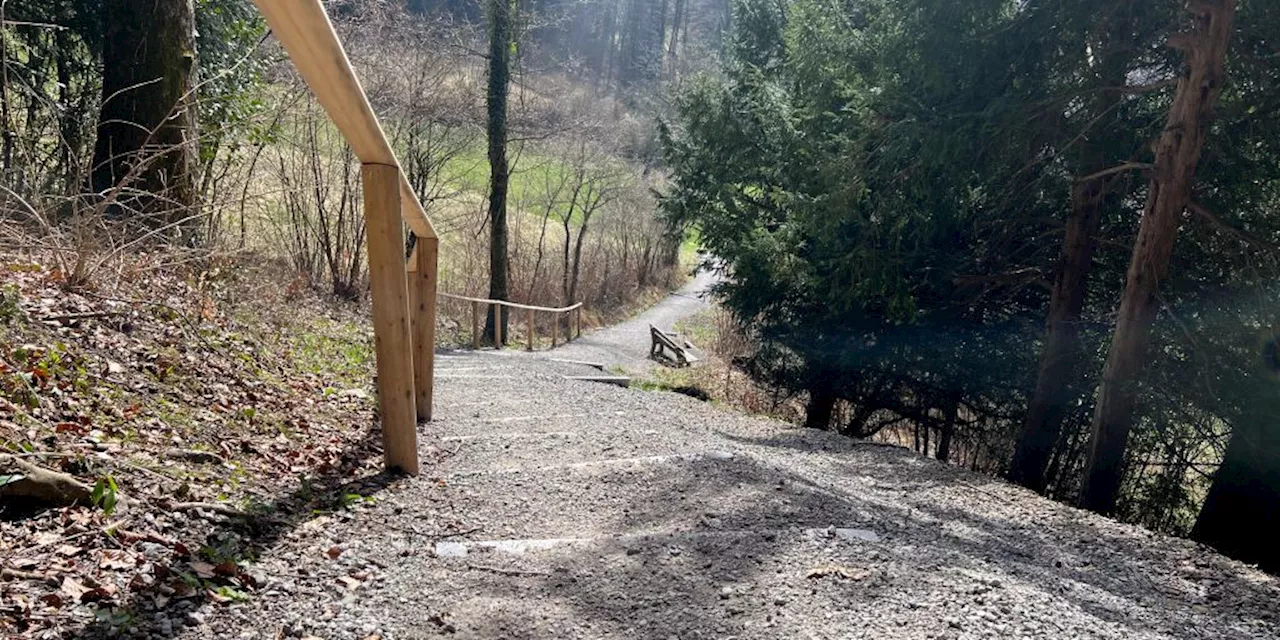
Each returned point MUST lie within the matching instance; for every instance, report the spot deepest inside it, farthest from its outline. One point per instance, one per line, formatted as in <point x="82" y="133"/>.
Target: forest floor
<point x="243" y="444"/>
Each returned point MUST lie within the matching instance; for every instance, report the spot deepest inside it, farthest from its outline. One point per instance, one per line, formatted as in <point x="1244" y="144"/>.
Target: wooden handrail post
<point x="475" y="325"/>
<point x="422" y="291"/>
<point x="393" y="340"/>
<point x="497" y="326"/>
<point x="529" y="319"/>
<point x="555" y="328"/>
<point x="578" y="323"/>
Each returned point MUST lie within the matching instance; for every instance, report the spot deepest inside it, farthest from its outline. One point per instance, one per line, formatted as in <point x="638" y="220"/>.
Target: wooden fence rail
<point x="404" y="296"/>
<point x="481" y="306"/>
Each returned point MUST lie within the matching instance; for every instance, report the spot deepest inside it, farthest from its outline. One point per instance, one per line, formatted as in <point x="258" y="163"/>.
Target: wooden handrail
<point x="512" y="305"/>
<point x="304" y="29"/>
<point x="404" y="296"/>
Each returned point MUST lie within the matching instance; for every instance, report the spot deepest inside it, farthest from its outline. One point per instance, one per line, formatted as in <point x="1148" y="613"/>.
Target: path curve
<point x="626" y="344"/>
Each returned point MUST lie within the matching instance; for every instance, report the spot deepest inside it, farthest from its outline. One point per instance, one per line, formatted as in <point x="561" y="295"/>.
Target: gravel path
<point x="563" y="509"/>
<point x="626" y="345"/>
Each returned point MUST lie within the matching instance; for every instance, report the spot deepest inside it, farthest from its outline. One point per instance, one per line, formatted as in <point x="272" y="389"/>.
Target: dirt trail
<point x="563" y="509"/>
<point x="626" y="344"/>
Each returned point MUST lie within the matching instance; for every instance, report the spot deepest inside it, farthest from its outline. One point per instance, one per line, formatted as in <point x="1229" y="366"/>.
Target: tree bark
<point x="1241" y="514"/>
<point x="147" y="140"/>
<point x="1057" y="383"/>
<point x="1176" y="158"/>
<point x="820" y="408"/>
<point x="676" y="21"/>
<point x="1058" y="380"/>
<point x="499" y="170"/>
<point x="947" y="431"/>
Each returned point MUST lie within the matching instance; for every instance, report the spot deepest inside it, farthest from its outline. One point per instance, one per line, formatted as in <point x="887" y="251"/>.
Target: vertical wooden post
<point x="422" y="291"/>
<point x="391" y="325"/>
<point x="578" y="323"/>
<point x="528" y="315"/>
<point x="555" y="328"/>
<point x="497" y="326"/>
<point x="475" y="325"/>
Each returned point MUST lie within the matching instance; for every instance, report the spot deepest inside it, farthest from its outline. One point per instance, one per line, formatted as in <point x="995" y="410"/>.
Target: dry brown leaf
<point x="203" y="570"/>
<point x="69" y="550"/>
<point x="73" y="588"/>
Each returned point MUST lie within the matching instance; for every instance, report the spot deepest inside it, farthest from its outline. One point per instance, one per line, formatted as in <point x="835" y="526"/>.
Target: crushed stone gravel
<point x="568" y="509"/>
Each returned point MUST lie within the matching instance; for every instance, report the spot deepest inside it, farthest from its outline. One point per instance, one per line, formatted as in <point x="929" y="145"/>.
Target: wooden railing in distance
<point x="480" y="308"/>
<point x="404" y="299"/>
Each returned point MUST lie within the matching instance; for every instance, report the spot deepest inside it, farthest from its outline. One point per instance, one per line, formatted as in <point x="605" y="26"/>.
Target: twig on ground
<point x="507" y="572"/>
<point x="215" y="507"/>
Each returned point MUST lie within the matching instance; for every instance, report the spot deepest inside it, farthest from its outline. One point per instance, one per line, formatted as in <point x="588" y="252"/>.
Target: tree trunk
<point x="676" y="21"/>
<point x="147" y="140"/>
<point x="1058" y="381"/>
<point x="820" y="408"/>
<point x="1176" y="158"/>
<point x="7" y="128"/>
<point x="948" y="431"/>
<point x="1241" y="514"/>
<point x="500" y="171"/>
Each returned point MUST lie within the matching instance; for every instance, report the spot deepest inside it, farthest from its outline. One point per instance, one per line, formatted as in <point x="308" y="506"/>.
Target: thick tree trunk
<point x="1057" y="383"/>
<point x="1176" y="158"/>
<point x="1059" y="380"/>
<point x="820" y="408"/>
<point x="1241" y="514"/>
<point x="500" y="171"/>
<point x="147" y="141"/>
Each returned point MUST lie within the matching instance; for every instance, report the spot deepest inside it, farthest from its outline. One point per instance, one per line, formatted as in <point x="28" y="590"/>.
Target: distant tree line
<point x="622" y="44"/>
<point x="1039" y="239"/>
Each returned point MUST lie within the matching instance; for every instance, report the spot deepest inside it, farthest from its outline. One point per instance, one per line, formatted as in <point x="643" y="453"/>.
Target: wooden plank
<point x="555" y="328"/>
<point x="422" y="291"/>
<point x="393" y="340"/>
<point x="529" y="321"/>
<point x="475" y="325"/>
<point x="304" y="30"/>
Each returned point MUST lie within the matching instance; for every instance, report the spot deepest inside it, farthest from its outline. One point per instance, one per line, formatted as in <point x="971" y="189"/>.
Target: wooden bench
<point x="664" y="348"/>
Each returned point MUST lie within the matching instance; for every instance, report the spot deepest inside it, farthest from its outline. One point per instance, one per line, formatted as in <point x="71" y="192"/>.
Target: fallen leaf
<point x="203" y="570"/>
<point x="334" y="552"/>
<point x="73" y="588"/>
<point x="112" y="559"/>
<point x="350" y="583"/>
<point x="98" y="593"/>
<point x="69" y="550"/>
<point x="24" y="563"/>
